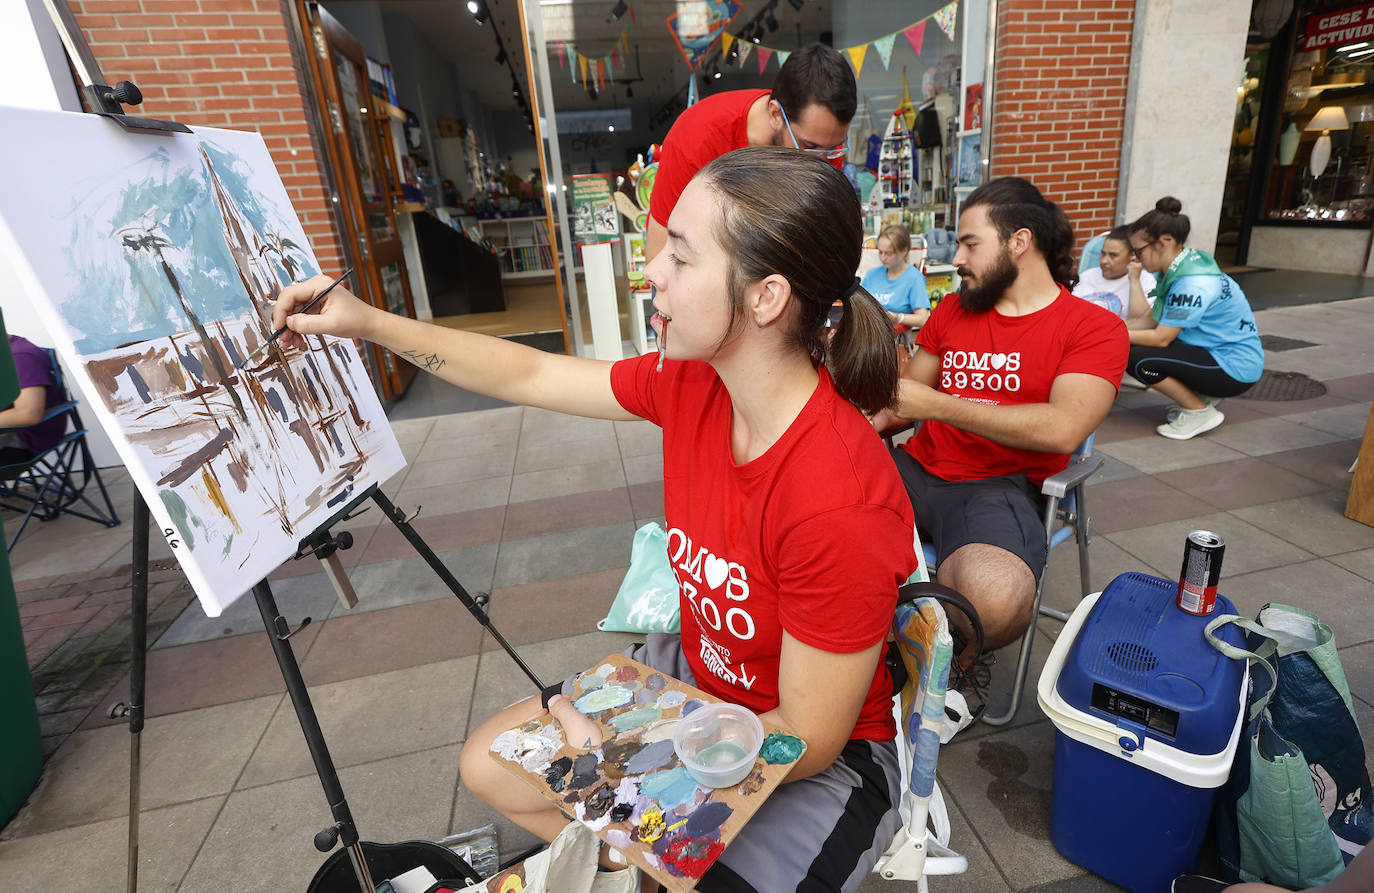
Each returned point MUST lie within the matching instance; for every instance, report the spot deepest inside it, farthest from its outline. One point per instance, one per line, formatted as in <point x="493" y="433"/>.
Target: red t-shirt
<point x="701" y="134"/>
<point x="1006" y="361"/>
<point x="813" y="537"/>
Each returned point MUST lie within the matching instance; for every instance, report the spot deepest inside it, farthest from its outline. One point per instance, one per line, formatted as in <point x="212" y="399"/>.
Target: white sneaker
<point x="1174" y="409"/>
<point x="1192" y="422"/>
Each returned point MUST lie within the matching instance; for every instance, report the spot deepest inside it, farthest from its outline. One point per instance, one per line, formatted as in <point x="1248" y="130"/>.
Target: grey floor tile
<point x="1248" y="546"/>
<point x="1242" y="482"/>
<point x="548" y="426"/>
<point x="1084" y="883"/>
<point x="644" y="469"/>
<point x="305" y="596"/>
<point x="1106" y="561"/>
<point x="1316" y="523"/>
<point x="1359" y="562"/>
<point x="1328" y="464"/>
<point x="460" y="446"/>
<point x="370" y="718"/>
<point x="185" y="756"/>
<point x="1113" y="469"/>
<point x="1001" y="783"/>
<point x="412" y="431"/>
<point x="638" y="438"/>
<point x="470" y="812"/>
<point x="564" y="554"/>
<point x="1152" y="455"/>
<point x="1346" y="422"/>
<point x="494" y="463"/>
<point x="501" y="683"/>
<point x="406" y="581"/>
<point x="564" y="481"/>
<point x="1271" y="435"/>
<point x="465" y="496"/>
<point x="1358" y="663"/>
<point x="29" y="560"/>
<point x="261" y="838"/>
<point x="538" y="454"/>
<point x="485" y="421"/>
<point x="93" y="856"/>
<point x="1338" y="597"/>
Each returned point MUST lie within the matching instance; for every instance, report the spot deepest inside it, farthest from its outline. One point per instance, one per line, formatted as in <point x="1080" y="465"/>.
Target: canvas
<point x="155" y="261"/>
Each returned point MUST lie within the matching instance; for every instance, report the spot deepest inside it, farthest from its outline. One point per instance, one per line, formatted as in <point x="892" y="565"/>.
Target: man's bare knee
<point x="1000" y="586"/>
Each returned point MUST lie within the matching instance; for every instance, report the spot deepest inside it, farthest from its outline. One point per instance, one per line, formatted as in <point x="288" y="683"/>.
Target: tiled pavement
<point x="539" y="510"/>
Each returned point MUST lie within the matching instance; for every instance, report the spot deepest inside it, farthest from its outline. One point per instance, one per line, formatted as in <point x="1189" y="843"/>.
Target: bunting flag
<point x="764" y="55"/>
<point x="856" y="57"/>
<point x="916" y="34"/>
<point x="782" y="57"/>
<point x="562" y="54"/>
<point x="581" y="67"/>
<point x="745" y="48"/>
<point x="944" y="17"/>
<point x="612" y="61"/>
<point x="884" y="45"/>
<point x="691" y="92"/>
<point x="726" y="39"/>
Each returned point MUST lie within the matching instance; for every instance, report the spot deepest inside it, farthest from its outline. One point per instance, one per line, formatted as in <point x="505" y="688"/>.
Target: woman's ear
<point x="769" y="300"/>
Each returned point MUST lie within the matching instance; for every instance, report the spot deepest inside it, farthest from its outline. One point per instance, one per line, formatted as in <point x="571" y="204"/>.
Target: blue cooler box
<point x="1147" y="715"/>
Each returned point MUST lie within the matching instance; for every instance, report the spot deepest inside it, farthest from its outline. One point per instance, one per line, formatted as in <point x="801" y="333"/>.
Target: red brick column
<point x="221" y="63"/>
<point x="1060" y="102"/>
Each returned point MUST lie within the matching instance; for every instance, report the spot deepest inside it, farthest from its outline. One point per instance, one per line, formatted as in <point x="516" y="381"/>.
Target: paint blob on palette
<point x="633" y="791"/>
<point x="154" y="262"/>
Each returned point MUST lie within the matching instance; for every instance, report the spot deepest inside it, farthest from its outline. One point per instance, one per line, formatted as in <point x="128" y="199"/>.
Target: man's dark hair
<point x="1014" y="203"/>
<point x="816" y="73"/>
<point x="1120" y="234"/>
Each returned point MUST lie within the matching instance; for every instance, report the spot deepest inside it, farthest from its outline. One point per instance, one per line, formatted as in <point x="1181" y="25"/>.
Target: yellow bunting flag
<point x="856" y="56"/>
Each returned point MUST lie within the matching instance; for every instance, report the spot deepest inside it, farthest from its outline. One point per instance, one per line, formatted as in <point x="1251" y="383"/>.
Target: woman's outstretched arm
<point x="492" y="366"/>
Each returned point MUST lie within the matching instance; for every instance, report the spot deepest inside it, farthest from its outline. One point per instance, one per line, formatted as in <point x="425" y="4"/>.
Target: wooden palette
<point x="615" y="789"/>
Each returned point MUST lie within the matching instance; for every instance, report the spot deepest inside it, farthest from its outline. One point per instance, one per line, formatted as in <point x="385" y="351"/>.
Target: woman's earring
<point x="758" y="321"/>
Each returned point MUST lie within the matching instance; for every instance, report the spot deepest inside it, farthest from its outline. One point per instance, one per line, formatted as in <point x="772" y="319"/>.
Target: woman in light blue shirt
<point x="897" y="285"/>
<point x="1204" y="344"/>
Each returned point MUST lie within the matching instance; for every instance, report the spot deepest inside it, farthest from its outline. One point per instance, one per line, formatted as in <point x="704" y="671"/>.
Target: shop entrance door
<point x="358" y="134"/>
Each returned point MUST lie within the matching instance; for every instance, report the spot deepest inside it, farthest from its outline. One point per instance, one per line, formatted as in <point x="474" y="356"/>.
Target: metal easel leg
<point x="138" y="619"/>
<point x="279" y="633"/>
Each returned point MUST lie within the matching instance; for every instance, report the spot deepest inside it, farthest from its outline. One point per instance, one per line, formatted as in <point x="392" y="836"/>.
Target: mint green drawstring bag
<point x="647" y="601"/>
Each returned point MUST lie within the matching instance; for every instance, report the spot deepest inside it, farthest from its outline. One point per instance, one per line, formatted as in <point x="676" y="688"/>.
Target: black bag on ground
<point x="386" y="861"/>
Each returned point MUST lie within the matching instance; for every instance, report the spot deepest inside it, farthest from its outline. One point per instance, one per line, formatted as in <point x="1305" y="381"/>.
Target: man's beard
<point x="991" y="286"/>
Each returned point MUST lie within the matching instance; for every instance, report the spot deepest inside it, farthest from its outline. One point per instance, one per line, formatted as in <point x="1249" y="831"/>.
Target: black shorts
<point x="1194" y="366"/>
<point x="1006" y="511"/>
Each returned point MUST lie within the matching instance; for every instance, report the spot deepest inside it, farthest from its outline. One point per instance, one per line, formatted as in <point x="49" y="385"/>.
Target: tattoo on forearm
<point x="430" y="362"/>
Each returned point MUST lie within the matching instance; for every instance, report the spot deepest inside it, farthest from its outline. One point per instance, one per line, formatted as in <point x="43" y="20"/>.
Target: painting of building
<point x="157" y="259"/>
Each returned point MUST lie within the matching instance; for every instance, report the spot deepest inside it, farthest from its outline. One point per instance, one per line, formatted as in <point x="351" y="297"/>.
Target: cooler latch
<point x="1131" y="737"/>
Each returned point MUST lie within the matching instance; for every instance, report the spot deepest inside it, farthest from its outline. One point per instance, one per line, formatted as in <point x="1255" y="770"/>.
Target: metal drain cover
<point x="1283" y="386"/>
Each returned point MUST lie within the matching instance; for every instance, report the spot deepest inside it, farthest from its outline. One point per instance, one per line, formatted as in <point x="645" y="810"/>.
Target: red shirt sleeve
<point x="1100" y="347"/>
<point x="704" y="132"/>
<point x="633" y="382"/>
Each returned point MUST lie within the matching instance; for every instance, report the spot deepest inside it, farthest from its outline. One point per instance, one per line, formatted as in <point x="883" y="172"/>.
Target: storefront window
<point x="1322" y="167"/>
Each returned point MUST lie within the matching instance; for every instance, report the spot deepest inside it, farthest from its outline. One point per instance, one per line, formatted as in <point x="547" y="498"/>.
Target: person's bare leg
<point x="999" y="584"/>
<point x="1178" y="392"/>
<point x="495" y="785"/>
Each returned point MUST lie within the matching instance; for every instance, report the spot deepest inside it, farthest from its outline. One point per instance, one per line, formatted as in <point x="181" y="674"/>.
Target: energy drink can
<point x="1197" y="583"/>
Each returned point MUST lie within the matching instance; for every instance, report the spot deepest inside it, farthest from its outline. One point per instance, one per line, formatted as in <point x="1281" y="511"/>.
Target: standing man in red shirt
<point x="1011" y="375"/>
<point x="809" y="108"/>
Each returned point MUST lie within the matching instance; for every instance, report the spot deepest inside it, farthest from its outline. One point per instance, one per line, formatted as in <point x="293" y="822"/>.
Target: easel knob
<point x="125" y="93"/>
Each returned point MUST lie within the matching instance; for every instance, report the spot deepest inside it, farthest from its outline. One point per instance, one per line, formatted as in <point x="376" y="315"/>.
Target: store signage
<point x="1327" y="31"/>
<point x="595" y="121"/>
<point x="595" y="218"/>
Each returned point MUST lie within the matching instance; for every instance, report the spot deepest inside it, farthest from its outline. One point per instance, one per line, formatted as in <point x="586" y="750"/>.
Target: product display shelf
<point x="522" y="244"/>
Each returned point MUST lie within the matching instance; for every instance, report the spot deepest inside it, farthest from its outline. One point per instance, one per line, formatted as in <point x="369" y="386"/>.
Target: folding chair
<point x="1065" y="519"/>
<point x="921" y="845"/>
<point x="53" y="482"/>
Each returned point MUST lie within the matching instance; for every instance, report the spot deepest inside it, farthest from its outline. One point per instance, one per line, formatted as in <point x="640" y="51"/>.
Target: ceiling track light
<point x="619" y="10"/>
<point x="478" y="9"/>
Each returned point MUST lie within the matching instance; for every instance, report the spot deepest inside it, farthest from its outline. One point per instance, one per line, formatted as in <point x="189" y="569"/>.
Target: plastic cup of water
<point x="718" y="743"/>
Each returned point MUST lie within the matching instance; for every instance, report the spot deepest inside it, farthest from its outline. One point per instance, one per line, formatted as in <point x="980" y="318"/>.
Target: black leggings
<point x="1193" y="366"/>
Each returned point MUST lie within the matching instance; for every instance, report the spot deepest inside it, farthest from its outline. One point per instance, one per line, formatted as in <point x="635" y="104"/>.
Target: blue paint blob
<point x="781" y="748"/>
<point x="691" y="705"/>
<point x="654" y="756"/>
<point x="603" y="699"/>
<point x="633" y="719"/>
<point x="671" y="699"/>
<point x="708" y="817"/>
<point x="643" y="696"/>
<point x="670" y="787"/>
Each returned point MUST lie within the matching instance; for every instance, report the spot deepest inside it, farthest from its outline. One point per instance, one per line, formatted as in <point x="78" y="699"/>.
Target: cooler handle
<point x="1044" y="689"/>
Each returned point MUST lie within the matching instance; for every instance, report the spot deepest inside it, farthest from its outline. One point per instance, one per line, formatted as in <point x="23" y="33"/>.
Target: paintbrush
<point x="306" y="309"/>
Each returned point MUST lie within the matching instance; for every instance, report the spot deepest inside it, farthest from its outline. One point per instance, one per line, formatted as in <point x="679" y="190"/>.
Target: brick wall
<point x="1060" y="102"/>
<point x="220" y="63"/>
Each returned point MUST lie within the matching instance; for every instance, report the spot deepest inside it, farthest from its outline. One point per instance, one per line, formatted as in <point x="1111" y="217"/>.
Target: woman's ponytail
<point x="861" y="357"/>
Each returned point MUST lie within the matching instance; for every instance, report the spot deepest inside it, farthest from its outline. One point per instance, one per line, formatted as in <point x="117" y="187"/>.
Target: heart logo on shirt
<point x="998" y="360"/>
<point x="717" y="569"/>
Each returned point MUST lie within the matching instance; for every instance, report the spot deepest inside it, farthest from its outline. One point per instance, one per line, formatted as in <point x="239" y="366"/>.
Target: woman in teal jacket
<point x="1204" y="345"/>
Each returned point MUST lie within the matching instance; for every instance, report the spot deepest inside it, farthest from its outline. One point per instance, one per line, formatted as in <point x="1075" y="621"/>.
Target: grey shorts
<point x="1005" y="511"/>
<point x="821" y="833"/>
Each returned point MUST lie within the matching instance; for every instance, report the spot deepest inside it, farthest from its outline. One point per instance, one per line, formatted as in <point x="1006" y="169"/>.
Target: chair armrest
<point x="55" y="411"/>
<point x="1079" y="470"/>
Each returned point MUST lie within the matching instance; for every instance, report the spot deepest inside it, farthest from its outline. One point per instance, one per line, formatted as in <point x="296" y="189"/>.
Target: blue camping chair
<point x="1092" y="253"/>
<point x="1065" y="519"/>
<point x="53" y="482"/>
